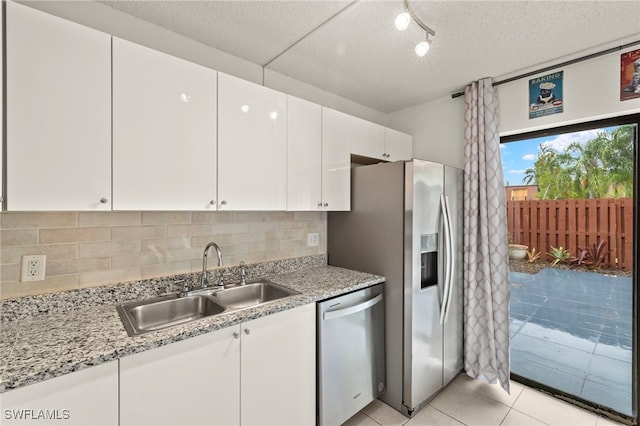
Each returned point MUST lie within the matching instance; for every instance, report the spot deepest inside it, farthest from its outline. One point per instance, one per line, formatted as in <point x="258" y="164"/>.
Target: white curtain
<point x="486" y="267"/>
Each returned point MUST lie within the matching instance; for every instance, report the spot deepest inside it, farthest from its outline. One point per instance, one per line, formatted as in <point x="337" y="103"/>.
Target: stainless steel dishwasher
<point x="351" y="363"/>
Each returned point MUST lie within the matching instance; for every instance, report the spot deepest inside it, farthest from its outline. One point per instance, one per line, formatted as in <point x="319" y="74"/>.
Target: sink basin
<point x="251" y="294"/>
<point x="144" y="316"/>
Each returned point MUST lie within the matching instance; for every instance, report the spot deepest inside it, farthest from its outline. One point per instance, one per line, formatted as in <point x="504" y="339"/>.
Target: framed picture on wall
<point x="630" y="75"/>
<point x="545" y="95"/>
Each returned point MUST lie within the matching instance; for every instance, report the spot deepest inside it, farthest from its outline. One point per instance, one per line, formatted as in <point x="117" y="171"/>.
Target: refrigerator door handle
<point x="451" y="260"/>
<point x="447" y="247"/>
<point x="352" y="309"/>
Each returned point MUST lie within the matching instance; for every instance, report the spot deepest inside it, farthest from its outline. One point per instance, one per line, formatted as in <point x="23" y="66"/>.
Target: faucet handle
<point x="243" y="273"/>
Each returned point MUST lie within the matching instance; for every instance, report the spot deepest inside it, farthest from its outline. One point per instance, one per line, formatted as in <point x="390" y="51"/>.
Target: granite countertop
<point x="40" y="347"/>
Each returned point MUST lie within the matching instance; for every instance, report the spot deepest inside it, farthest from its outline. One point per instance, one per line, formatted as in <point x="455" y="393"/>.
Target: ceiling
<point x="352" y="49"/>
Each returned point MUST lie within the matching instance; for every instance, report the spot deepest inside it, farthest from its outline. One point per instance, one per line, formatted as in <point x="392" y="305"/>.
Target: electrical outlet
<point x="313" y="239"/>
<point x="33" y="267"/>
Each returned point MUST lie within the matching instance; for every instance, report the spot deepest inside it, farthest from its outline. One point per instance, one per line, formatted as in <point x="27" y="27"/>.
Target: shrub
<point x="559" y="255"/>
<point x="533" y="255"/>
<point x="592" y="257"/>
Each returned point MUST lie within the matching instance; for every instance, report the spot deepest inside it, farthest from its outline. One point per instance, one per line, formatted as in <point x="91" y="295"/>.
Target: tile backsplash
<point x="88" y="249"/>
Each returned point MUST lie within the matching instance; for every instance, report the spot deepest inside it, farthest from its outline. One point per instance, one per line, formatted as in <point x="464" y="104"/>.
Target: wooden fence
<point x="575" y="224"/>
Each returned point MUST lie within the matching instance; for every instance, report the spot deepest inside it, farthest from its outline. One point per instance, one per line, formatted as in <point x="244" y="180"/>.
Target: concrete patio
<point x="572" y="331"/>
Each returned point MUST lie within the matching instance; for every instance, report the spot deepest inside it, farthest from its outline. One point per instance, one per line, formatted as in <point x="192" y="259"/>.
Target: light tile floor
<point x="468" y="402"/>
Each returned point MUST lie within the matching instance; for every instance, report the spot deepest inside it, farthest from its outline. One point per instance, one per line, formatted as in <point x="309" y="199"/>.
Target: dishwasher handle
<point x="352" y="309"/>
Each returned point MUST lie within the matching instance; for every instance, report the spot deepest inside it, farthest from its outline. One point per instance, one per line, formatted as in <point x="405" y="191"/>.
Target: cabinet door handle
<point x="104" y="200"/>
<point x="247" y="331"/>
<point x="236" y="335"/>
<point x="223" y="202"/>
<point x="326" y="204"/>
<point x="212" y="202"/>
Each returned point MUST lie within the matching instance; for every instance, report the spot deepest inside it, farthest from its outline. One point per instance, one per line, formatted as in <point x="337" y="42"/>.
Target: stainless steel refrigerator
<point x="406" y="223"/>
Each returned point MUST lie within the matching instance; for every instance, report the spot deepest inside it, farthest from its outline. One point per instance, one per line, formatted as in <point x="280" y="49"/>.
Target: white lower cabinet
<point x="191" y="382"/>
<point x="278" y="369"/>
<point x="85" y="397"/>
<point x="261" y="372"/>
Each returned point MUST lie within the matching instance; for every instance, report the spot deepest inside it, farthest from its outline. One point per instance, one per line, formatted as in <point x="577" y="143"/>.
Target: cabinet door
<point x="279" y="369"/>
<point x="85" y="397"/>
<point x="191" y="382"/>
<point x="398" y="145"/>
<point x="360" y="136"/>
<point x="336" y="163"/>
<point x="164" y="131"/>
<point x="252" y="146"/>
<point x="58" y="113"/>
<point x="304" y="151"/>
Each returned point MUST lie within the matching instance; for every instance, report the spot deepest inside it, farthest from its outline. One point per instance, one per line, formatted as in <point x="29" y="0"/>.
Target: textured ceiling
<point x="359" y="55"/>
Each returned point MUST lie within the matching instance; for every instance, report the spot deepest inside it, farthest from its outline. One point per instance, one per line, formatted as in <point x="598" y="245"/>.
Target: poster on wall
<point x="545" y="95"/>
<point x="630" y="75"/>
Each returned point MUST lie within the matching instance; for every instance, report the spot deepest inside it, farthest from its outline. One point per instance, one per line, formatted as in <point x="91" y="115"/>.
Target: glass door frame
<point x="635" y="326"/>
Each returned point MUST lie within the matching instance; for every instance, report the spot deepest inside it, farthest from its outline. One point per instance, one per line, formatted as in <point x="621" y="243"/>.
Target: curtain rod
<point x="562" y="64"/>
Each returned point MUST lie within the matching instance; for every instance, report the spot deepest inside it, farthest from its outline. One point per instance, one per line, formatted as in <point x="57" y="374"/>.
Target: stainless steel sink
<point x="251" y="294"/>
<point x="148" y="315"/>
<point x="144" y="316"/>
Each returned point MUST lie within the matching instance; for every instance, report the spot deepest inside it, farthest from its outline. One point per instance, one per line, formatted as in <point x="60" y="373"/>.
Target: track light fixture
<point x="402" y="22"/>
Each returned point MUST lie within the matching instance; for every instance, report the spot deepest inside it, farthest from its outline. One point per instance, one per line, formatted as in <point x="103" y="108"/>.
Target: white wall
<point x="437" y="128"/>
<point x="591" y="92"/>
<point x="119" y="24"/>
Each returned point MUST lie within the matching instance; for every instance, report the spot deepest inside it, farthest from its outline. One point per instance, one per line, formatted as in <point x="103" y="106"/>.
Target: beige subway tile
<point x="143" y="232"/>
<point x="310" y="216"/>
<point x="201" y="242"/>
<point x="23" y="220"/>
<point x="265" y="226"/>
<point x="211" y="217"/>
<point x="164" y="269"/>
<point x="189" y="230"/>
<point x="52" y="251"/>
<point x="10" y="273"/>
<point x="308" y="251"/>
<point x="164" y="244"/>
<point x="294" y="234"/>
<point x="64" y="267"/>
<point x="108" y="218"/>
<point x="212" y="229"/>
<point x="257" y="217"/>
<point x="233" y="249"/>
<point x="293" y="244"/>
<point x="130" y="260"/>
<point x="50" y="285"/>
<point x="107" y="277"/>
<point x="20" y="237"/>
<point x="70" y="235"/>
<point x="248" y="238"/>
<point x="258" y="246"/>
<point x="109" y="248"/>
<point x="166" y="218"/>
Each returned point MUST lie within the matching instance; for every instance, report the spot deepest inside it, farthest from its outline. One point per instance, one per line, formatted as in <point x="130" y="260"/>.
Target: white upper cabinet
<point x="164" y="131"/>
<point x="58" y="113"/>
<point x="336" y="161"/>
<point x="304" y="152"/>
<point x="252" y="146"/>
<point x="85" y="397"/>
<point x="397" y="145"/>
<point x="360" y="136"/>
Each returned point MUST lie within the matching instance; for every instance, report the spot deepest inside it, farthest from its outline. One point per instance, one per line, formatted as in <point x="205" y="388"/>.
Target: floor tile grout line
<point x="448" y="415"/>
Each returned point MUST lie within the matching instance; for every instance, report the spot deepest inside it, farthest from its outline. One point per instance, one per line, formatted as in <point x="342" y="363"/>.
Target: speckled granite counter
<point x="34" y="348"/>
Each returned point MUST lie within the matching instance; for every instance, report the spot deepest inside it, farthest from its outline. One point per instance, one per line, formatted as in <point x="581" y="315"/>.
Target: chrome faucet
<point x="204" y="281"/>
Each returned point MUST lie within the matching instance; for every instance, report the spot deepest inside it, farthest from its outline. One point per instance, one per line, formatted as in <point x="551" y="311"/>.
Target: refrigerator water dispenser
<point x="428" y="260"/>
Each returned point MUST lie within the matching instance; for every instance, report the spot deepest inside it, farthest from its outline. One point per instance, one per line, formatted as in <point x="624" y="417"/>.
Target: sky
<point x="519" y="156"/>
